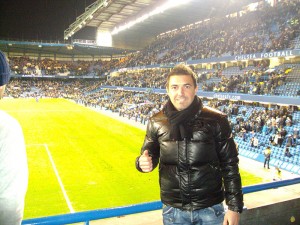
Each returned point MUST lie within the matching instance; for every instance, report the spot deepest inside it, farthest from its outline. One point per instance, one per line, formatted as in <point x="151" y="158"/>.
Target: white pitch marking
<point x="59" y="180"/>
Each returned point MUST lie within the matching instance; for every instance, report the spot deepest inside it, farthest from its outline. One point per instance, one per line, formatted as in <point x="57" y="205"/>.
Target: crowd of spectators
<point x="148" y="78"/>
<point x="42" y="67"/>
<point x="271" y="123"/>
<point x="50" y="88"/>
<point x="264" y="30"/>
<point x="254" y="81"/>
<point x="129" y="104"/>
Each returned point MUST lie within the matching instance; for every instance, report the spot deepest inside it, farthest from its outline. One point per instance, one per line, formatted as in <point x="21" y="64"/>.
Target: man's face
<point x="181" y="91"/>
<point x="2" y="89"/>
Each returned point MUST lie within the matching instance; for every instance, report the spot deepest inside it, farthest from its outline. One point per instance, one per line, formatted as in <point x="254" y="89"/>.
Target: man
<point x="13" y="161"/>
<point x="267" y="154"/>
<point x="197" y="157"/>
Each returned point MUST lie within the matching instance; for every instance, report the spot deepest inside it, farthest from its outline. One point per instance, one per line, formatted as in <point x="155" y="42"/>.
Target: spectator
<point x="267" y="154"/>
<point x="214" y="165"/>
<point x="255" y="142"/>
<point x="287" y="152"/>
<point x="13" y="161"/>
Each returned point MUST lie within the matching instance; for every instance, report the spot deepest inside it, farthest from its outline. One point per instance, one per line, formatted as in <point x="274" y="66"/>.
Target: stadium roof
<point x="77" y="50"/>
<point x="108" y="14"/>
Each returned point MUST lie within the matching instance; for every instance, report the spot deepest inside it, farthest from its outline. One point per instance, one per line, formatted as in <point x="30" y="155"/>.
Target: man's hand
<point x="231" y="218"/>
<point x="145" y="162"/>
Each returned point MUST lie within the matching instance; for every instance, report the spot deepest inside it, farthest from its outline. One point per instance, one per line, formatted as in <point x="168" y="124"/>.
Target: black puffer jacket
<point x="191" y="171"/>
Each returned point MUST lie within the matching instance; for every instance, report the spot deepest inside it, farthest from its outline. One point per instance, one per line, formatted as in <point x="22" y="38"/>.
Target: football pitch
<point x="81" y="160"/>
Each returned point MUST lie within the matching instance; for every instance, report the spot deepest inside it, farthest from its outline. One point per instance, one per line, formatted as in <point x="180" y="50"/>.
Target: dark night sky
<point x="40" y="19"/>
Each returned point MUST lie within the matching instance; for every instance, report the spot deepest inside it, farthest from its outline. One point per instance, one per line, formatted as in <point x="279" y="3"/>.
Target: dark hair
<point x="184" y="70"/>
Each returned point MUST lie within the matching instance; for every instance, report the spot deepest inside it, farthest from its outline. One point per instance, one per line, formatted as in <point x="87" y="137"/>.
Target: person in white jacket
<point x="13" y="160"/>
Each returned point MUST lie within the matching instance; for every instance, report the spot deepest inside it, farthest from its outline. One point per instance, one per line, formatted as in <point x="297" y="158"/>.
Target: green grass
<point x="93" y="154"/>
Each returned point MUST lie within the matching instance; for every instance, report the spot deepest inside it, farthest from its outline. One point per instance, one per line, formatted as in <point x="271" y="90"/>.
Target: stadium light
<point x="104" y="38"/>
<point x="169" y="4"/>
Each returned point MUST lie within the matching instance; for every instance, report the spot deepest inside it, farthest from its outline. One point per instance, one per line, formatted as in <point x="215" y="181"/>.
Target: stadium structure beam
<point x="83" y="18"/>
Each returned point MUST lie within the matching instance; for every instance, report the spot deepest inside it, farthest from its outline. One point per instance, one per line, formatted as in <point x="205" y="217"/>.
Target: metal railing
<point x="88" y="216"/>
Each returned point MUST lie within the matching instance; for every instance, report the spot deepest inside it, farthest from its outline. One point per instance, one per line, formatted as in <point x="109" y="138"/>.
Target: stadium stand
<point x="276" y="32"/>
<point x="223" y="52"/>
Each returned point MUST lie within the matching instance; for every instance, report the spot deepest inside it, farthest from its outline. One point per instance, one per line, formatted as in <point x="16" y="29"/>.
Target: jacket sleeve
<point x="228" y="156"/>
<point x="151" y="144"/>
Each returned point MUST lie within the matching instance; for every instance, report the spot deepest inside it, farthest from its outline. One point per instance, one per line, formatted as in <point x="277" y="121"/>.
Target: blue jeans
<point x="213" y="215"/>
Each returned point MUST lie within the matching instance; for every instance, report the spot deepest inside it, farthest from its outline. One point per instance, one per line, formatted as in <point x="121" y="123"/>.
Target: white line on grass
<point x="59" y="180"/>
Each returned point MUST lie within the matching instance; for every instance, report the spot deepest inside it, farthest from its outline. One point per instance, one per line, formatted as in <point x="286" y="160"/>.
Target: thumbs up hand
<point x="145" y="162"/>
